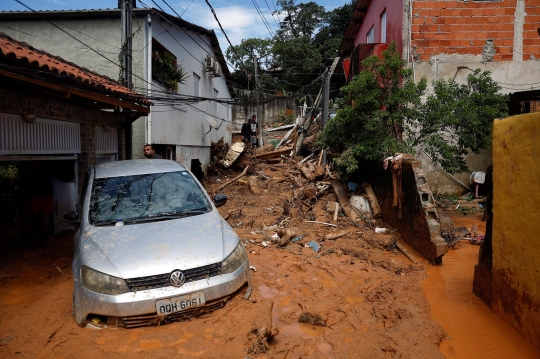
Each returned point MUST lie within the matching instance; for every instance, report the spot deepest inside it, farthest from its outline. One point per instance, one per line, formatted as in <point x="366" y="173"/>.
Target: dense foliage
<point x="166" y="71"/>
<point x="292" y="61"/>
<point x="385" y="114"/>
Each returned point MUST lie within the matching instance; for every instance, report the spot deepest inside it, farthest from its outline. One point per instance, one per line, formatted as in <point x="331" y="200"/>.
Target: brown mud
<point x="358" y="297"/>
<point x="474" y="331"/>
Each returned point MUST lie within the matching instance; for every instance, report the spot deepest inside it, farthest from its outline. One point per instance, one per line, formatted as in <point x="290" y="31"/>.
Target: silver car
<point x="151" y="247"/>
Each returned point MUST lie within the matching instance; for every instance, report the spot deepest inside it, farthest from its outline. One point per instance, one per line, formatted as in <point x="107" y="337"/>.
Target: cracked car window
<point x="145" y="196"/>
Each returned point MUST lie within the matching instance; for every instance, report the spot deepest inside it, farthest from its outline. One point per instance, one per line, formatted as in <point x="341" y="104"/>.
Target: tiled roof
<point x="22" y="52"/>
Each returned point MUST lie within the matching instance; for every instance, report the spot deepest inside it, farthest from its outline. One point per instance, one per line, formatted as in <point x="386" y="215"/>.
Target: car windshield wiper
<point x="165" y="216"/>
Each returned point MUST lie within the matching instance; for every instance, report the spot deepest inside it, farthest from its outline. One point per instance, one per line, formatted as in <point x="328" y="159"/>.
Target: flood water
<point x="473" y="330"/>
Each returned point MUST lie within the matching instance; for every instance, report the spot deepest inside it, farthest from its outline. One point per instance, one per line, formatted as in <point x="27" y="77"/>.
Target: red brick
<point x="422" y="12"/>
<point x="498" y="27"/>
<point x="418" y="36"/>
<point x="444" y="28"/>
<point x="444" y="43"/>
<point x="450" y="20"/>
<point x="440" y="5"/>
<point x="456" y="12"/>
<point x="481" y="35"/>
<point x="424" y="28"/>
<point x="532" y="49"/>
<point x="451" y="4"/>
<point x="493" y="19"/>
<point x="509" y="11"/>
<point x="415" y="28"/>
<point x="508" y="42"/>
<point x="508" y="27"/>
<point x="422" y="43"/>
<point x="528" y="42"/>
<point x="427" y="4"/>
<point x="535" y="19"/>
<point x="466" y="12"/>
<point x="505" y="50"/>
<point x="456" y="42"/>
<point x="529" y="27"/>
<point x="433" y="28"/>
<point x="439" y="36"/>
<point x="461" y="20"/>
<point x="451" y="50"/>
<point x="532" y="3"/>
<point x="477" y="12"/>
<point x="433" y="43"/>
<point x="489" y="12"/>
<point x="434" y="12"/>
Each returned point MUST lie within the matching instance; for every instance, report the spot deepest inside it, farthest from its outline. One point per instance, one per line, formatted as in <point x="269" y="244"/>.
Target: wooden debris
<point x="233" y="180"/>
<point x="273" y="154"/>
<point x="335" y="235"/>
<point x="344" y="202"/>
<point x="252" y="181"/>
<point x="372" y="200"/>
<point x="326" y="224"/>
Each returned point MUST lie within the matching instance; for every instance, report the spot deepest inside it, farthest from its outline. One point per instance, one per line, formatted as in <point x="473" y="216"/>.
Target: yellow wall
<point x="516" y="223"/>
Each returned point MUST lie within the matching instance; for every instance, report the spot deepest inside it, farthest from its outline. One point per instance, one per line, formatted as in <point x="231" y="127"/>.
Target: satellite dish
<point x="212" y="122"/>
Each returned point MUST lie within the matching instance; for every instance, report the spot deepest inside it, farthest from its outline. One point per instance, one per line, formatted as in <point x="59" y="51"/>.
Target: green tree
<point x="386" y="115"/>
<point x="241" y="56"/>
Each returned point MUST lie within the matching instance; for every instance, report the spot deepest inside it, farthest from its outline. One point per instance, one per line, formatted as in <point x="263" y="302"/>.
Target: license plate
<point x="179" y="304"/>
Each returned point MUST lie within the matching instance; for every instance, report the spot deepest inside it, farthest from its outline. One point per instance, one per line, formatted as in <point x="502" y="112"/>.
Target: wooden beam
<point x="84" y="94"/>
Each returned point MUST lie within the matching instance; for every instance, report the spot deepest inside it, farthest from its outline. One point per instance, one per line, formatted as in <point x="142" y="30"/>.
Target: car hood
<point x="152" y="248"/>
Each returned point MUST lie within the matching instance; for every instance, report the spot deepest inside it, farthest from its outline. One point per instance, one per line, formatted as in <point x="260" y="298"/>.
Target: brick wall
<point x="462" y="27"/>
<point x="18" y="104"/>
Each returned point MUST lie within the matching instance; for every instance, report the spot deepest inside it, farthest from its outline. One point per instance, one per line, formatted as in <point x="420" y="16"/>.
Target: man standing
<point x="150" y="153"/>
<point x="246" y="131"/>
<point x="254" y="127"/>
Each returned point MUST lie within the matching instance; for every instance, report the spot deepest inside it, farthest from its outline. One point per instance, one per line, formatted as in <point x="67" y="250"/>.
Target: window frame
<point x="383" y="27"/>
<point x="370" y="35"/>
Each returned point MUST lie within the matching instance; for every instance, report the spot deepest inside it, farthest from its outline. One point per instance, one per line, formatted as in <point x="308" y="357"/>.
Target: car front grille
<point x="162" y="280"/>
<point x="154" y="319"/>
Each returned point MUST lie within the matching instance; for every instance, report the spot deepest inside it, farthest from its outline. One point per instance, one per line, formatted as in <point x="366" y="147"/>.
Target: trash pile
<point x="307" y="196"/>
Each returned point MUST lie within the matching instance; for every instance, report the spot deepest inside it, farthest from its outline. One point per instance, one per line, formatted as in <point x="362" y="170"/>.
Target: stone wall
<point x="20" y="104"/>
<point x="273" y="106"/>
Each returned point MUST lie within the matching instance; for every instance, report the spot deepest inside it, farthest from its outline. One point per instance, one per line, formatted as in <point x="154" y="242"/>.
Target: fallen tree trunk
<point x="273" y="154"/>
<point x="344" y="202"/>
<point x="311" y="172"/>
<point x="372" y="200"/>
<point x="233" y="180"/>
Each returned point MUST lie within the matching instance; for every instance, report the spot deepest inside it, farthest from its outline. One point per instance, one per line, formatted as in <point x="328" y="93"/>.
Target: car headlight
<point x="102" y="283"/>
<point x="234" y="260"/>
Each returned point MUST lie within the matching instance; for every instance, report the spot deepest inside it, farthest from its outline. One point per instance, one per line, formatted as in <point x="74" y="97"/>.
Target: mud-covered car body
<point x="151" y="247"/>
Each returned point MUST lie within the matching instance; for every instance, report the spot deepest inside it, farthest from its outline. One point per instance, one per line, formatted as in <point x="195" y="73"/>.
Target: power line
<point x="266" y="24"/>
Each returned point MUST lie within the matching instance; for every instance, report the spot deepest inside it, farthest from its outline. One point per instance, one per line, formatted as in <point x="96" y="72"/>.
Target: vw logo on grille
<point x="177" y="278"/>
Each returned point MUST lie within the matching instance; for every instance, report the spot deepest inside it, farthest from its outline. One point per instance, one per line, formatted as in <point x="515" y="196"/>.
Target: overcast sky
<point x="239" y="18"/>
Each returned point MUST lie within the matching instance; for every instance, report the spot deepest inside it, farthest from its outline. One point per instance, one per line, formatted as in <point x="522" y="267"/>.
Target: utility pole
<point x="259" y="120"/>
<point x="127" y="10"/>
<point x="326" y="100"/>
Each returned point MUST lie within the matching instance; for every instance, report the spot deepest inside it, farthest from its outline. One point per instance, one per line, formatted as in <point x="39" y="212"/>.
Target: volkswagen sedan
<point x="151" y="247"/>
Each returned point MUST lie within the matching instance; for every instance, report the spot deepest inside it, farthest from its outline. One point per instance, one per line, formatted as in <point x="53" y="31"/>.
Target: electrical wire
<point x="265" y="22"/>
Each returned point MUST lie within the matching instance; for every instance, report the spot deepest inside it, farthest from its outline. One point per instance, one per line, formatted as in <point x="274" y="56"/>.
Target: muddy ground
<point x="360" y="296"/>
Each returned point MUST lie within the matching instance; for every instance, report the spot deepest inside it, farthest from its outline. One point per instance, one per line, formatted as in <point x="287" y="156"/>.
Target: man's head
<point x="149" y="151"/>
<point x="253" y="118"/>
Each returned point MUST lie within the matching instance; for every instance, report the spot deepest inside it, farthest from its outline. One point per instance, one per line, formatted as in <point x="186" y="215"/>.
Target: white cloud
<point x="239" y="22"/>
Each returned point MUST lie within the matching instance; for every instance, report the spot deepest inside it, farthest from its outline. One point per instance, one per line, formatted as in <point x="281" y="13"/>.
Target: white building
<point x="92" y="38"/>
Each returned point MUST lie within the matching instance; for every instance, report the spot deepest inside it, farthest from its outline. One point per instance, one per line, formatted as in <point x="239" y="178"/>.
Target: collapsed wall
<point x="407" y="204"/>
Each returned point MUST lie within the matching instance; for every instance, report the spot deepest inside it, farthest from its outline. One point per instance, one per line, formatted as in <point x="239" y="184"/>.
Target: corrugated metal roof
<point x="359" y="12"/>
<point x="24" y="53"/>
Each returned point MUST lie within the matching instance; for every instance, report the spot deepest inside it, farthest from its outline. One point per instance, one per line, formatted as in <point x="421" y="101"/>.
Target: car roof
<point x="136" y="167"/>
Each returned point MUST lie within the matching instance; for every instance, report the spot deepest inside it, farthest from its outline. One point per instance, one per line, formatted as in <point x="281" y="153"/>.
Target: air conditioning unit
<point x="217" y="69"/>
<point x="210" y="61"/>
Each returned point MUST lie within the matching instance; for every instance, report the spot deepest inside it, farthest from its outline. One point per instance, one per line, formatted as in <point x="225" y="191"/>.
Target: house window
<point x="215" y="100"/>
<point x="165" y="67"/>
<point x="383" y="27"/>
<point x="370" y="38"/>
<point x="196" y="80"/>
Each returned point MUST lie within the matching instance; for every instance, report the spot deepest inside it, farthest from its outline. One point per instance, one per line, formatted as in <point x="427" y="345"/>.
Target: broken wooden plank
<point x="344" y="202"/>
<point x="234" y="179"/>
<point x="372" y="200"/>
<point x="273" y="154"/>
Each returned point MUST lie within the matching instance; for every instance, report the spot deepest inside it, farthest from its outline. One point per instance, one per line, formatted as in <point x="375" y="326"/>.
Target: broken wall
<point x="515" y="239"/>
<point x="416" y="218"/>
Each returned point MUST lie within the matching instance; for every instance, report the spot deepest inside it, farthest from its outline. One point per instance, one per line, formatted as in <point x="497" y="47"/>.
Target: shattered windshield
<point x="146" y="197"/>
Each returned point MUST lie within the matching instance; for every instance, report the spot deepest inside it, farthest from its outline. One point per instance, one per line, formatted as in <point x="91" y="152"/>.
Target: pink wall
<point x="394" y="22"/>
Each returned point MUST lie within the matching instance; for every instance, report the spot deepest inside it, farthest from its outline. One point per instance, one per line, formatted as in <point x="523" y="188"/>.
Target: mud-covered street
<point x="358" y="294"/>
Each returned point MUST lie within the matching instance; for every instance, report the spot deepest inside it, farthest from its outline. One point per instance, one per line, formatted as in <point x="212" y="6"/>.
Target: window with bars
<point x="215" y="100"/>
<point x="196" y="80"/>
<point x="383" y="27"/>
<point x="370" y="38"/>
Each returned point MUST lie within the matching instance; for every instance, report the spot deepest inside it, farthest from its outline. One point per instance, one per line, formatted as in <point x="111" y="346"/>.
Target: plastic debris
<point x="296" y="239"/>
<point x="253" y="268"/>
<point x="265" y="244"/>
<point x="381" y="230"/>
<point x="313" y="245"/>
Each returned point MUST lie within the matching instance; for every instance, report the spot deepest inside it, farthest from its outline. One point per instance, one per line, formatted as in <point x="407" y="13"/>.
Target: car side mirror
<point x="72" y="217"/>
<point x="220" y="199"/>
